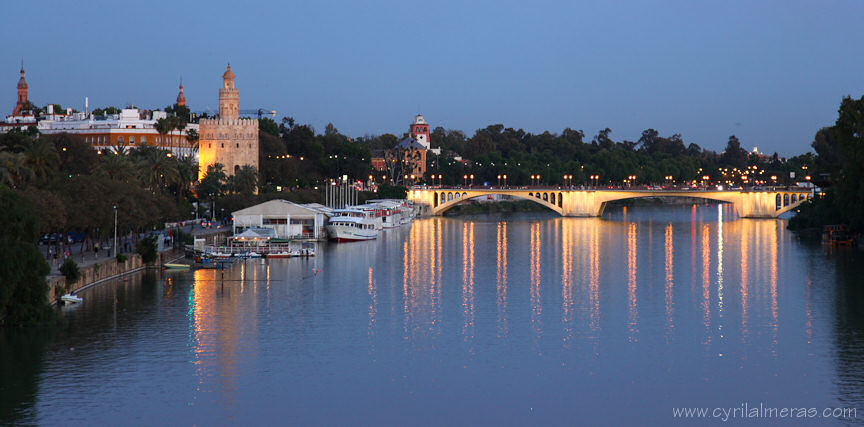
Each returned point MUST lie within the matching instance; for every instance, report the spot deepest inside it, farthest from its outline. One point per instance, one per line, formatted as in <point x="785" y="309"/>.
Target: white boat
<point x="71" y="299"/>
<point x="348" y="225"/>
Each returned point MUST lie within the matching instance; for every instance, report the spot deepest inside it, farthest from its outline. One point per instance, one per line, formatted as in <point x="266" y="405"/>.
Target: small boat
<point x="176" y="266"/>
<point x="280" y="254"/>
<point x="71" y="299"/>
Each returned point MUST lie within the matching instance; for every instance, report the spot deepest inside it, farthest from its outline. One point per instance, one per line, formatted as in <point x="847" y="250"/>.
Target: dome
<point x="228" y="74"/>
<point x="181" y="98"/>
<point x="419" y="120"/>
<point x="22" y="84"/>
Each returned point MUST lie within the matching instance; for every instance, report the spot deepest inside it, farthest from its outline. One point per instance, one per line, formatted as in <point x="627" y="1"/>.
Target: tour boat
<point x="347" y="225"/>
<point x="71" y="299"/>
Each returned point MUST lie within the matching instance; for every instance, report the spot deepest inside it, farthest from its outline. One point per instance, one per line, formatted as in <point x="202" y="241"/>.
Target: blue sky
<point x="771" y="73"/>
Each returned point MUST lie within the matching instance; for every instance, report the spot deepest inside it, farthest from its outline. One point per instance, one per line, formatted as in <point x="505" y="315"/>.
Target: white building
<point x="131" y="128"/>
<point x="287" y="219"/>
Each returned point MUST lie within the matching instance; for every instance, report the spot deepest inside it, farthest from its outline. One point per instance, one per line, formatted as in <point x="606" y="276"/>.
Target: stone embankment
<point x="103" y="271"/>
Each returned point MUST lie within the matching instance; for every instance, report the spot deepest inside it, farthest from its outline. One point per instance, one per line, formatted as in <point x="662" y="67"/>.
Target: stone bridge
<point x="592" y="202"/>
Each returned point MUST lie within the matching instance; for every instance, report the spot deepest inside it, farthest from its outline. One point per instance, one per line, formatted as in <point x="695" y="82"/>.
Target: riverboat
<point x="348" y="225"/>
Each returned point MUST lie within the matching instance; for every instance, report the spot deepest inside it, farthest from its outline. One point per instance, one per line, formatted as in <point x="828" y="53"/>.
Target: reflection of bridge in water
<point x="581" y="202"/>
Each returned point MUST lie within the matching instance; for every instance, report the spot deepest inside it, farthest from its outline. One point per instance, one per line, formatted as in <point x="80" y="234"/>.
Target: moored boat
<point x="71" y="299"/>
<point x="347" y="225"/>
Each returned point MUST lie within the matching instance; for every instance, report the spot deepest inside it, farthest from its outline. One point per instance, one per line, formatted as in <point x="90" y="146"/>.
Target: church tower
<point x="420" y="131"/>
<point x="23" y="105"/>
<point x="229" y="97"/>
<point x="181" y="98"/>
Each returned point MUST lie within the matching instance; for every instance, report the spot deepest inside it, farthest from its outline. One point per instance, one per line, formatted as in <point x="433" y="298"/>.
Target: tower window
<point x="238" y="145"/>
<point x="223" y="145"/>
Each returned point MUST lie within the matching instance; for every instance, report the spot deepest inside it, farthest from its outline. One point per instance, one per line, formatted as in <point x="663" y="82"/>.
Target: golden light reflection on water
<point x="577" y="253"/>
<point x="421" y="279"/>
<point x="706" y="281"/>
<point x="745" y="228"/>
<point x="567" y="303"/>
<point x="501" y="276"/>
<point x="468" y="280"/>
<point x="535" y="276"/>
<point x="594" y="278"/>
<point x="632" y="309"/>
<point x="669" y="292"/>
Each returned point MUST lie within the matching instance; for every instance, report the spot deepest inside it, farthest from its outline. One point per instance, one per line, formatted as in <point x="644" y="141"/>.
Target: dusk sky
<point x="771" y="73"/>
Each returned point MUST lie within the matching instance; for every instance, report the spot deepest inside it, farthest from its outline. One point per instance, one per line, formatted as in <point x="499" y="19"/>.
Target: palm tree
<point x="117" y="166"/>
<point x="244" y="181"/>
<point x="42" y="157"/>
<point x="13" y="169"/>
<point x="192" y="138"/>
<point x="187" y="174"/>
<point x="155" y="167"/>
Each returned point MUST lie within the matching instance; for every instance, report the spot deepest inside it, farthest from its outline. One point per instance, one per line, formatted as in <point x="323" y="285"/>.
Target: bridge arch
<point x="466" y="196"/>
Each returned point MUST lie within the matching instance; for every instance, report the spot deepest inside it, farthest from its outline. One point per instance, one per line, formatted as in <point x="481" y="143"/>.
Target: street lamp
<point x="472" y="179"/>
<point x="464" y="179"/>
<point x="499" y="180"/>
<point x="505" y="179"/>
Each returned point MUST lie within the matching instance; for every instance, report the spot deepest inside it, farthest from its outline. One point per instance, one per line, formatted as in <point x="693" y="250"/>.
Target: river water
<point x="518" y="319"/>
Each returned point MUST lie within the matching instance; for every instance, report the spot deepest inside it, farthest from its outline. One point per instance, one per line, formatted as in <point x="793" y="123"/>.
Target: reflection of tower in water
<point x="221" y="326"/>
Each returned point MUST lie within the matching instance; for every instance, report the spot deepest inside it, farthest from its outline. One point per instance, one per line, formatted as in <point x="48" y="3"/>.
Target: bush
<point x="70" y="271"/>
<point x="121" y="258"/>
<point x="146" y="247"/>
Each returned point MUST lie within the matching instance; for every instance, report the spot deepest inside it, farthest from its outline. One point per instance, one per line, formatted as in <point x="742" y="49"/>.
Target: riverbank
<point x="105" y="270"/>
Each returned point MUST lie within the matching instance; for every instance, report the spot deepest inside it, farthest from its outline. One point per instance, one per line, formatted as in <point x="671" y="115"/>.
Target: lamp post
<point x="505" y="179"/>
<point x="464" y="180"/>
<point x="499" y="180"/>
<point x="472" y="179"/>
<point x="115" y="231"/>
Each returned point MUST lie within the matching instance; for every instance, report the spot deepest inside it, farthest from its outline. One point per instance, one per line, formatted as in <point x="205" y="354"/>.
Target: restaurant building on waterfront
<point x="289" y="220"/>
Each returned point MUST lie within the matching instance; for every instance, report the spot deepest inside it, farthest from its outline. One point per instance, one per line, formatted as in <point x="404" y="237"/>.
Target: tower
<point x="229" y="97"/>
<point x="420" y="131"/>
<point x="23" y="104"/>
<point x="181" y="98"/>
<point x="227" y="139"/>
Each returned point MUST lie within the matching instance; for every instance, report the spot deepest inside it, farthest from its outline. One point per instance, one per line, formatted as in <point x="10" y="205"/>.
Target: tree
<point x="734" y="155"/>
<point x="23" y="288"/>
<point x="213" y="183"/>
<point x="268" y="125"/>
<point x="146" y="247"/>
<point x="244" y="181"/>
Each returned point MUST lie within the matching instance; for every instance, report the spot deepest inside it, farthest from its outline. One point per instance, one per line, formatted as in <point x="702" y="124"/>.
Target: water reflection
<point x="468" y="280"/>
<point x="501" y="278"/>
<point x="632" y="309"/>
<point x="451" y="310"/>
<point x="536" y="301"/>
<point x="669" y="291"/>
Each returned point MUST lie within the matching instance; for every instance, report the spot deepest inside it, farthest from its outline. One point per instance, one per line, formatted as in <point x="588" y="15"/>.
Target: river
<point x="515" y="319"/>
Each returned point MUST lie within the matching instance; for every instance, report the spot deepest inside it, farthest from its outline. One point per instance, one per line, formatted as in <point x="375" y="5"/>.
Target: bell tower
<point x="229" y="97"/>
<point x="419" y="130"/>
<point x="23" y="104"/>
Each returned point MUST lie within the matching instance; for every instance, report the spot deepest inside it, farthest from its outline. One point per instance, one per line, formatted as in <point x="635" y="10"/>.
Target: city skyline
<point x="771" y="77"/>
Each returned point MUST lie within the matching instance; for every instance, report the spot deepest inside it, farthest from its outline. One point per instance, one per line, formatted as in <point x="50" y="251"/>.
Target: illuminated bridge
<point x="592" y="202"/>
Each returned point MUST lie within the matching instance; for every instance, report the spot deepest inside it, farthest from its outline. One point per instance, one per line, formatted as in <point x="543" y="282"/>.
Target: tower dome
<point x="181" y="98"/>
<point x="228" y="74"/>
<point x="22" y="84"/>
